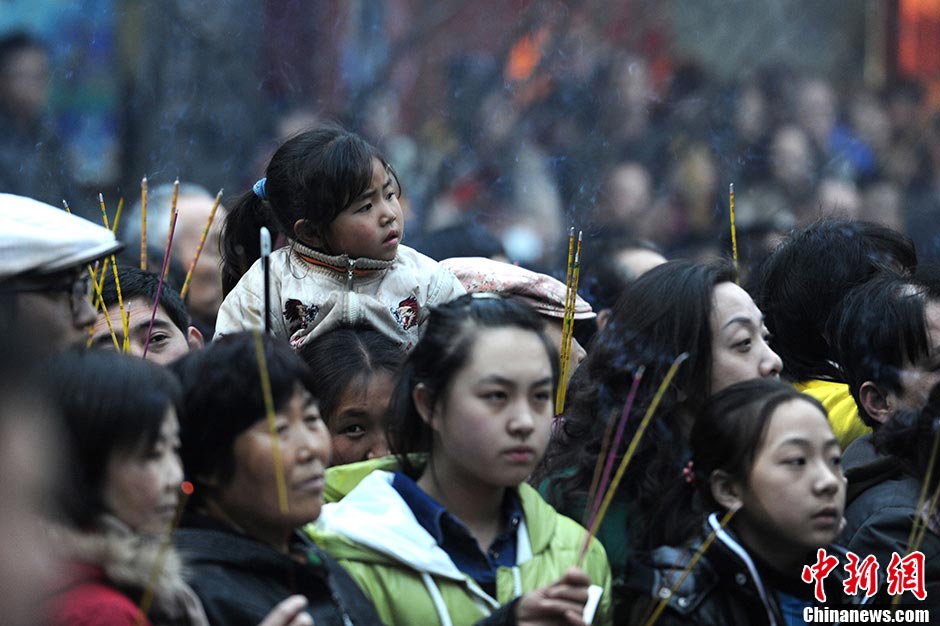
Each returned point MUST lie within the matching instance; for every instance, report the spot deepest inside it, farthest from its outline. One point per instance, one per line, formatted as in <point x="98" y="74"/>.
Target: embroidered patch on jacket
<point x="407" y="313"/>
<point x="299" y="315"/>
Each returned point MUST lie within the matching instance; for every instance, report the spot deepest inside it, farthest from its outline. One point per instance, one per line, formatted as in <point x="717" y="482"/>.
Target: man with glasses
<point x="45" y="283"/>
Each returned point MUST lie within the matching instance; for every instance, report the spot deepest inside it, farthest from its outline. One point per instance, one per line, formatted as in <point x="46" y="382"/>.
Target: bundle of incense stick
<point x="609" y="492"/>
<point x="202" y="243"/>
<point x="567" y="327"/>
<point x="125" y="319"/>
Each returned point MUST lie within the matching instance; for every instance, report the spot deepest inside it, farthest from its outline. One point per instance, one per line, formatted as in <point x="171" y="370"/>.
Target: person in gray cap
<point x="45" y="285"/>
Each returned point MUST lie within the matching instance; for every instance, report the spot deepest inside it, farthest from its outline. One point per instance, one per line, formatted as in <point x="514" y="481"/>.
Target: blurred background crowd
<point x="507" y="120"/>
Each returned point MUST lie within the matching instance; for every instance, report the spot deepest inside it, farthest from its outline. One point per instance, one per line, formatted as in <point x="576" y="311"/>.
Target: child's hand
<point x="562" y="602"/>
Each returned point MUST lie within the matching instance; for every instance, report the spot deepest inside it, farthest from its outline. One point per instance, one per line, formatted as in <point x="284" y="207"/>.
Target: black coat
<point x="725" y="588"/>
<point x="880" y="511"/>
<point x="239" y="580"/>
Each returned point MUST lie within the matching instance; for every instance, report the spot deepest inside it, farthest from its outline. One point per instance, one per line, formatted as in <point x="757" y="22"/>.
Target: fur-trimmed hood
<point x="127" y="561"/>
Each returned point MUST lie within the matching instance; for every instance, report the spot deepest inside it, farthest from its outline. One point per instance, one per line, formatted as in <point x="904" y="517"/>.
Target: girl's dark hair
<point x="110" y="403"/>
<point x="665" y="312"/>
<point x="313" y="176"/>
<point x="348" y="356"/>
<point x="798" y="298"/>
<point x="730" y="430"/>
<point x="222" y="398"/>
<point x="449" y="337"/>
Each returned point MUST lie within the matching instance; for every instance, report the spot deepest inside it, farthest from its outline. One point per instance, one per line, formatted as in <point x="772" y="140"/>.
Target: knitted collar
<point x="340" y="263"/>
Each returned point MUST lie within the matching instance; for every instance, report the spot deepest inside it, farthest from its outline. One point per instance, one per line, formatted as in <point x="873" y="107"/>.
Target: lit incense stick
<point x="146" y="601"/>
<point x="143" y="223"/>
<point x="269" y="410"/>
<point x="612" y="489"/>
<point x="166" y="264"/>
<point x="734" y="234"/>
<point x="612" y="454"/>
<point x="202" y="242"/>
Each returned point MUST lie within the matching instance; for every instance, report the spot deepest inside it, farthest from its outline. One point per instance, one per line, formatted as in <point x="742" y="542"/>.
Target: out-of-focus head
<point x="816" y="109"/>
<point x="628" y="195"/>
<point x="30" y="465"/>
<point x="44" y="280"/>
<point x="120" y="418"/>
<point x="791" y="159"/>
<point x="193" y="205"/>
<point x="809" y="273"/>
<point x="24" y="76"/>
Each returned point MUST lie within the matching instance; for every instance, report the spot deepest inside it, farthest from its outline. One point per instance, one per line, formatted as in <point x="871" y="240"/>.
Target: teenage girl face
<point x="372" y="225"/>
<point x="739" y="339"/>
<point x="358" y="423"/>
<point x="142" y="486"/>
<point x="793" y="499"/>
<point x="493" y="424"/>
<point x="250" y="498"/>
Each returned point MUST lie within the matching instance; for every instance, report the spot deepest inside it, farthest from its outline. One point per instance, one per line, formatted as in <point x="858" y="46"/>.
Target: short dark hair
<point x="138" y="283"/>
<point x="345" y="357"/>
<point x="222" y="398"/>
<point x="804" y="279"/>
<point x="109" y="403"/>
<point x="879" y="328"/>
<point x="448" y="340"/>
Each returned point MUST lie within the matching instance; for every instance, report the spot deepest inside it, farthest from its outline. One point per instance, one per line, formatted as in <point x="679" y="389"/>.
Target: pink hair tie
<point x="689" y="473"/>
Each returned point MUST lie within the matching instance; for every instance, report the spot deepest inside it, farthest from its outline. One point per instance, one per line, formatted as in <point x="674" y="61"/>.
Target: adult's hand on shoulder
<point x="289" y="612"/>
<point x="560" y="603"/>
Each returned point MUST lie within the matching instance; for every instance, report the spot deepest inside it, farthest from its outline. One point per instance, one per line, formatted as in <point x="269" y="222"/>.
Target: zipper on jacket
<point x="350" y="264"/>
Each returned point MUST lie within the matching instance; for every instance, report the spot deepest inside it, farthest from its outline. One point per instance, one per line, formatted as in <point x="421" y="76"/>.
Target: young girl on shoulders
<point x="448" y="527"/>
<point x="765" y="451"/>
<point x="335" y="199"/>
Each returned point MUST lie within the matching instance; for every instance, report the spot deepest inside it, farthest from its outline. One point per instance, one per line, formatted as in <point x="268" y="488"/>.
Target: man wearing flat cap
<point x="45" y="286"/>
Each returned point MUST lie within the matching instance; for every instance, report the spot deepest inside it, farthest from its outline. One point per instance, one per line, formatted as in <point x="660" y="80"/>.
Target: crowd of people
<point x="345" y="431"/>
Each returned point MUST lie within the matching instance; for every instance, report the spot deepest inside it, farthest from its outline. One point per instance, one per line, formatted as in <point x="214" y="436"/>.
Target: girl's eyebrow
<point x="370" y="191"/>
<point x="806" y="443"/>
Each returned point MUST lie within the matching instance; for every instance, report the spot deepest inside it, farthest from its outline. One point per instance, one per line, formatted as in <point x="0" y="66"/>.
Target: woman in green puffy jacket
<point x="447" y="532"/>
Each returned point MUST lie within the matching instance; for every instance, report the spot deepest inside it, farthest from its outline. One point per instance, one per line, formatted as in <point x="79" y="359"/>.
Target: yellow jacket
<point x="839" y="403"/>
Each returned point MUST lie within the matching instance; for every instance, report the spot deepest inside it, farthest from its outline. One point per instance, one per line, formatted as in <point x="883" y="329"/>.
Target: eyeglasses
<point x="77" y="285"/>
